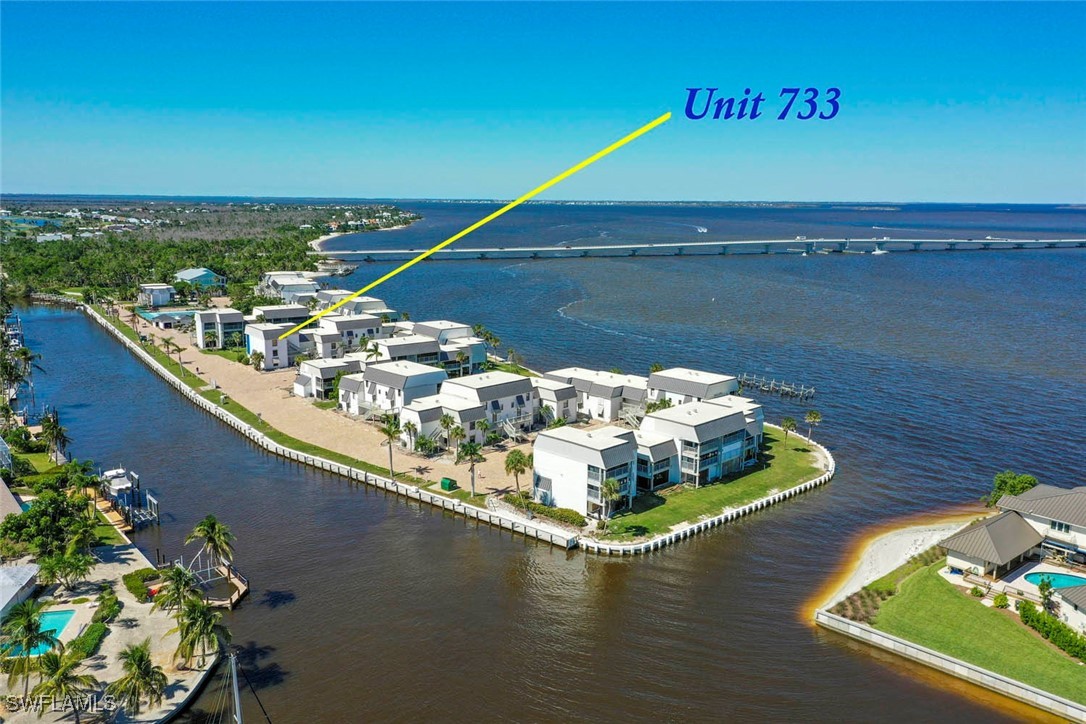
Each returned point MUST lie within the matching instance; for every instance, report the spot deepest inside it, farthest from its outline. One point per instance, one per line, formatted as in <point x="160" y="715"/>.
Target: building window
<point x="1061" y="527"/>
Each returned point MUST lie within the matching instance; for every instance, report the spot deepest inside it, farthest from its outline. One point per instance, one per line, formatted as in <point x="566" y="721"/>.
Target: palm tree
<point x="217" y="540"/>
<point x="179" y="585"/>
<point x="483" y="427"/>
<point x="61" y="682"/>
<point x="373" y="352"/>
<point x="235" y="339"/>
<point x="447" y="422"/>
<point x="55" y="435"/>
<point x="391" y="430"/>
<point x="610" y="493"/>
<point x="257" y="359"/>
<point x="813" y="418"/>
<point x="656" y="367"/>
<point x="473" y="452"/>
<point x="412" y="431"/>
<point x="546" y="413"/>
<point x="21" y="634"/>
<point x="200" y="626"/>
<point x="516" y="464"/>
<point x="461" y="358"/>
<point x="457" y="434"/>
<point x="142" y="679"/>
<point x="788" y="424"/>
<point x="211" y="339"/>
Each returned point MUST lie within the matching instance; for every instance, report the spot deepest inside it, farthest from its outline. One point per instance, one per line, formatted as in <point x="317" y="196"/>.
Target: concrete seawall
<point x="691" y="529"/>
<point x="534" y="529"/>
<point x="955" y="667"/>
<point x="537" y="529"/>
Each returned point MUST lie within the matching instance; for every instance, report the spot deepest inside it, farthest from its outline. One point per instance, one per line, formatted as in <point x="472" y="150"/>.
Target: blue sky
<point x="974" y="102"/>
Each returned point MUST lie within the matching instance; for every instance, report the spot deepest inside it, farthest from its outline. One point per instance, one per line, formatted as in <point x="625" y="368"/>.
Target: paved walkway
<point x="270" y="395"/>
<point x="135" y="623"/>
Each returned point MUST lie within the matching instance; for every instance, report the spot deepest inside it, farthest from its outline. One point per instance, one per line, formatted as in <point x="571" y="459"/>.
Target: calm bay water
<point x="934" y="371"/>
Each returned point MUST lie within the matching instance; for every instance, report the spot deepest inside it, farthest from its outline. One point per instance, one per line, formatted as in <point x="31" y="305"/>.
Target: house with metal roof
<point x="280" y="314"/>
<point x="1072" y="607"/>
<point x="424" y="415"/>
<point x="388" y="386"/>
<point x="17" y="583"/>
<point x="201" y="277"/>
<point x="317" y="377"/>
<point x="713" y="440"/>
<point x="1058" y="514"/>
<point x="680" y="385"/>
<point x="570" y="466"/>
<point x="413" y="348"/>
<point x="216" y="328"/>
<point x="604" y="395"/>
<point x="277" y="353"/>
<point x="156" y="295"/>
<point x="557" y="400"/>
<point x="993" y="546"/>
<point x="287" y="285"/>
<point x="511" y="401"/>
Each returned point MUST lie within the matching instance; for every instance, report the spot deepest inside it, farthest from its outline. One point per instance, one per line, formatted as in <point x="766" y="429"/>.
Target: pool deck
<point x="1014" y="582"/>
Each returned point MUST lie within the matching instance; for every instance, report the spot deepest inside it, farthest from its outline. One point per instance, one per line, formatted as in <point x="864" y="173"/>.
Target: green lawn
<point x="789" y="464"/>
<point x="462" y="494"/>
<point x="107" y="534"/>
<point x="230" y="353"/>
<point x="931" y="612"/>
<point x="326" y="404"/>
<point x="515" y="369"/>
<point x="41" y="461"/>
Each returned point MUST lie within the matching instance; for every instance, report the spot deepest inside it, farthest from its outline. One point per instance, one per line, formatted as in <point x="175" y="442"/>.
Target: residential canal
<point x="933" y="373"/>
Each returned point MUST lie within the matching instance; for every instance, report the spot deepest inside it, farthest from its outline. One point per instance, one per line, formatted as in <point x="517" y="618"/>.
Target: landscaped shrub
<point x="1001" y="601"/>
<point x="136" y="583"/>
<point x="109" y="606"/>
<point x="1053" y="629"/>
<point x="86" y="643"/>
<point x="564" y="515"/>
<point x="976" y="592"/>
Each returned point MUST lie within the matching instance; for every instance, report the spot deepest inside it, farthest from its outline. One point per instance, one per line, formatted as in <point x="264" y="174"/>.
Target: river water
<point x="934" y="371"/>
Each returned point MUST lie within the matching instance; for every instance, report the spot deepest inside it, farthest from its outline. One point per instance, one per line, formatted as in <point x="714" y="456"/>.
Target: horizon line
<point x="453" y="199"/>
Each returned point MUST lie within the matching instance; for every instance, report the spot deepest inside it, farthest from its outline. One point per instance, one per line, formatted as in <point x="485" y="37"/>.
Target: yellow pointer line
<point x="508" y="207"/>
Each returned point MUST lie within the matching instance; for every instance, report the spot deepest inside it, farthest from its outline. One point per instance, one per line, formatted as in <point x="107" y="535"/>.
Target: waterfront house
<point x="680" y="385"/>
<point x="201" y="277"/>
<point x="350" y="394"/>
<point x="156" y="295"/>
<point x="657" y="461"/>
<point x="605" y="395"/>
<point x="461" y="352"/>
<point x="557" y="400"/>
<point x="330" y="297"/>
<point x="17" y="583"/>
<point x="264" y="338"/>
<point x="425" y="414"/>
<point x="570" y="466"/>
<point x="287" y="285"/>
<point x="389" y="386"/>
<point x="1044" y="521"/>
<point x="1072" y="607"/>
<point x="369" y="305"/>
<point x="317" y="377"/>
<point x="291" y="314"/>
<point x="510" y="400"/>
<point x="218" y="328"/>
<point x="713" y="440"/>
<point x="413" y="348"/>
<point x="351" y="329"/>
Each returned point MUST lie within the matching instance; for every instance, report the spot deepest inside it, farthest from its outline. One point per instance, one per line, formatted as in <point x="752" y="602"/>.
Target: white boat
<point x="880" y="251"/>
<point x="119" y="480"/>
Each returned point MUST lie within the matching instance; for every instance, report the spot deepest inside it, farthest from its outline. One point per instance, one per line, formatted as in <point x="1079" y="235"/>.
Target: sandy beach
<point x="317" y="244"/>
<point x="880" y="551"/>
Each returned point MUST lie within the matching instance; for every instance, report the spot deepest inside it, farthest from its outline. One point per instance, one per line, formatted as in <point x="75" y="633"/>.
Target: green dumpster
<point x="448" y="484"/>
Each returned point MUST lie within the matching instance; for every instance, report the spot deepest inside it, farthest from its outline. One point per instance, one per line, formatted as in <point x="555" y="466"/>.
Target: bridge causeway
<point x="798" y="245"/>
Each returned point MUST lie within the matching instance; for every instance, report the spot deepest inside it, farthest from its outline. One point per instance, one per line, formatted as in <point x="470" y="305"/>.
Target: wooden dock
<point x="761" y="383"/>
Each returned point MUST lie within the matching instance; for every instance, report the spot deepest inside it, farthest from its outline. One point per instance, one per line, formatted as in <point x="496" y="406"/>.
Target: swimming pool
<point x="25" y="504"/>
<point x="54" y="621"/>
<point x="181" y="313"/>
<point x="1058" y="580"/>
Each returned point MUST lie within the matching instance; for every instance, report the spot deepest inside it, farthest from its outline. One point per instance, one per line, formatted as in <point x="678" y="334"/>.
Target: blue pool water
<point x="1059" y="580"/>
<point x="150" y="316"/>
<point x="25" y="504"/>
<point x="54" y="621"/>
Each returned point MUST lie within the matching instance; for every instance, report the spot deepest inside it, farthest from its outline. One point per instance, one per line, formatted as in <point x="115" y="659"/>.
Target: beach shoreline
<point x="318" y="243"/>
<point x="877" y="551"/>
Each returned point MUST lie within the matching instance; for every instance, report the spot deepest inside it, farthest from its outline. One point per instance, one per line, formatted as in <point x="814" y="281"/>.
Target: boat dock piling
<point x="760" y="383"/>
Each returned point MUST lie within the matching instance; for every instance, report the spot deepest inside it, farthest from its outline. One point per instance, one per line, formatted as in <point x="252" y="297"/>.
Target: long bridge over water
<point x="795" y="245"/>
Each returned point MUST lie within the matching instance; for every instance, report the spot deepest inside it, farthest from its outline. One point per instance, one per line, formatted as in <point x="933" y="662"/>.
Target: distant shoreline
<point x="318" y="243"/>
